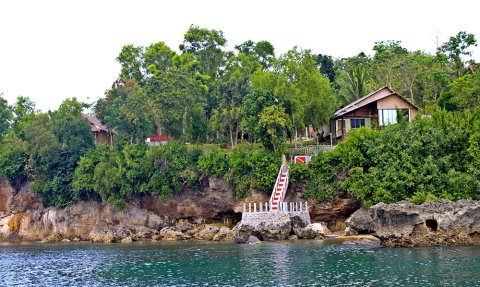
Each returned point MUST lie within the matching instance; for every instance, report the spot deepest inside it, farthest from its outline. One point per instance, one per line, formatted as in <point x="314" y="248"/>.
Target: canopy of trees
<point x="205" y="93"/>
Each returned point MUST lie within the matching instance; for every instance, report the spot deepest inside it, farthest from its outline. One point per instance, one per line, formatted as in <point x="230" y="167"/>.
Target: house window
<point x="389" y="117"/>
<point x="356" y="123"/>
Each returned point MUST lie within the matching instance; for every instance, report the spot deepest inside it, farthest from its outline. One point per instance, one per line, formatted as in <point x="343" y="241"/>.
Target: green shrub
<point x="12" y="162"/>
<point x="214" y="163"/>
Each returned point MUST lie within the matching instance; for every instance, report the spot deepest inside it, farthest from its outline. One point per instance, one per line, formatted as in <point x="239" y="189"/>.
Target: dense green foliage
<point x="130" y="170"/>
<point x="55" y="144"/>
<point x="204" y="93"/>
<point x="244" y="170"/>
<point x="12" y="161"/>
<point x="434" y="157"/>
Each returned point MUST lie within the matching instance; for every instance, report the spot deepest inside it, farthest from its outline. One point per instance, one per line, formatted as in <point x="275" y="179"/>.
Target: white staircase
<point x="280" y="188"/>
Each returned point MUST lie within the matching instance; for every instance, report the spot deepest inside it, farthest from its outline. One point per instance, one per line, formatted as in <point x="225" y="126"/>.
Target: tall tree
<point x="326" y="66"/>
<point x="385" y="62"/>
<point x="24" y="110"/>
<point x="6" y="116"/>
<point x="208" y="46"/>
<point x="456" y="47"/>
<point x="131" y="61"/>
<point x="120" y="111"/>
<point x="158" y="57"/>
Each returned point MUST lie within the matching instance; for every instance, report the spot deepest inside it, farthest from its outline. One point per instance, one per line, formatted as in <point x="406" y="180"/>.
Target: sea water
<point x="299" y="263"/>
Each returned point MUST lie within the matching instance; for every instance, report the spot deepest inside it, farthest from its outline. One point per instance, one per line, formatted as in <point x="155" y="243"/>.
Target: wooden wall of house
<point x="394" y="102"/>
<point x="101" y="137"/>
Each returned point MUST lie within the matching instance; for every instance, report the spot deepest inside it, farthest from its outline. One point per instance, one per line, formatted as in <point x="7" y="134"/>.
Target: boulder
<point x="224" y="233"/>
<point x="183" y="225"/>
<point x="169" y="234"/>
<point x="102" y="234"/>
<point x="334" y="213"/>
<point x="267" y="226"/>
<point x="239" y="240"/>
<point x="127" y="240"/>
<point x="253" y="240"/>
<point x="54" y="238"/>
<point x="312" y="231"/>
<point x="430" y="224"/>
<point x="207" y="233"/>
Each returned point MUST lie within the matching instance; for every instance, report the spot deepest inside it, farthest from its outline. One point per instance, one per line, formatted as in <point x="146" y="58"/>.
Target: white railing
<point x="284" y="206"/>
<point x="285" y="187"/>
<point x="311" y="149"/>
<point x="276" y="184"/>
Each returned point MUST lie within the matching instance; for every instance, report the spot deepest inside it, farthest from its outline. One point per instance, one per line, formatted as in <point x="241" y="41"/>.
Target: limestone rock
<point x="169" y="234"/>
<point x="54" y="238"/>
<point x="253" y="240"/>
<point x="224" y="233"/>
<point x="127" y="240"/>
<point x="312" y="231"/>
<point x="271" y="225"/>
<point x="430" y="224"/>
<point x="359" y="240"/>
<point x="239" y="240"/>
<point x="102" y="234"/>
<point x="334" y="212"/>
<point x="183" y="225"/>
<point x="207" y="233"/>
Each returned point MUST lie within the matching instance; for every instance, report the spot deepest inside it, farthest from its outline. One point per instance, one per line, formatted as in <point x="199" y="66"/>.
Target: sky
<point x="53" y="50"/>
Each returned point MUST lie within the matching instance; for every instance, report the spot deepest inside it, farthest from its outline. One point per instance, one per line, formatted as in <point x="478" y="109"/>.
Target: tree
<point x="296" y="79"/>
<point x="326" y="66"/>
<point x="122" y="111"/>
<point x="463" y="93"/>
<point x="168" y="98"/>
<point x="277" y="124"/>
<point x="72" y="106"/>
<point x="352" y="84"/>
<point x="131" y="61"/>
<point x="6" y="116"/>
<point x="253" y="105"/>
<point x="457" y="46"/>
<point x="207" y="46"/>
<point x="385" y="62"/>
<point x="158" y="57"/>
<point x="55" y="143"/>
<point x="24" y="110"/>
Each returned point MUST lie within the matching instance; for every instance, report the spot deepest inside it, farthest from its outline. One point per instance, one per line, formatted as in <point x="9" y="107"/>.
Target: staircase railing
<point x="279" y="205"/>
<point x="285" y="187"/>
<point x="270" y="202"/>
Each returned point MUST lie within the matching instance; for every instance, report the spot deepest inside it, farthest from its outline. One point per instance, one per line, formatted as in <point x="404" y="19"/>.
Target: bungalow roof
<point x="95" y="124"/>
<point x="369" y="99"/>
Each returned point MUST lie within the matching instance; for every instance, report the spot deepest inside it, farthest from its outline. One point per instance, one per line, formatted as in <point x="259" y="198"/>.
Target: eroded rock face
<point x="272" y="225"/>
<point x="430" y="224"/>
<point x="336" y="212"/>
<point x="23" y="217"/>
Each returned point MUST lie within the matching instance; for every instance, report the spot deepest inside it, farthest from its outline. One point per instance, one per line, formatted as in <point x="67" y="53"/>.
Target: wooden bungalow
<point x="100" y="131"/>
<point x="376" y="109"/>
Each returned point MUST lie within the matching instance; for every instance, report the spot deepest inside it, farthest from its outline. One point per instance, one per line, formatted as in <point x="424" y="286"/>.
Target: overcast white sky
<point x="52" y="50"/>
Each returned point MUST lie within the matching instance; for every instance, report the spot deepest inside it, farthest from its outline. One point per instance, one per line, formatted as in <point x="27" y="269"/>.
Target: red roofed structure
<point x="156" y="139"/>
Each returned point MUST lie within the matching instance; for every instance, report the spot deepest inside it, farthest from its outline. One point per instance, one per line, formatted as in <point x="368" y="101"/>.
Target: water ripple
<point x="305" y="263"/>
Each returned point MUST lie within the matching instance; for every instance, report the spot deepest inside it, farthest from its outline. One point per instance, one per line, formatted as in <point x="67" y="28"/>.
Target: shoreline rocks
<point x="434" y="223"/>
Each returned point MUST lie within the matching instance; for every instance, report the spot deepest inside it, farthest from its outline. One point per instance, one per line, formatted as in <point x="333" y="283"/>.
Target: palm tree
<point x="352" y="84"/>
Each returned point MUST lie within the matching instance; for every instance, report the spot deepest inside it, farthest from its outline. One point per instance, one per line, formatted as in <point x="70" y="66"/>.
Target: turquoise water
<point x="304" y="263"/>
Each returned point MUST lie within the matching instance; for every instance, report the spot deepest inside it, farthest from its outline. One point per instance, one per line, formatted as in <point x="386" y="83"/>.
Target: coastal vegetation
<point x="218" y="106"/>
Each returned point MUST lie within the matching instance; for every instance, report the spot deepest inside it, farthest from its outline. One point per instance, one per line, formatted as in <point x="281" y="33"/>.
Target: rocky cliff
<point x="23" y="217"/>
<point x="430" y="224"/>
<point x="208" y="213"/>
